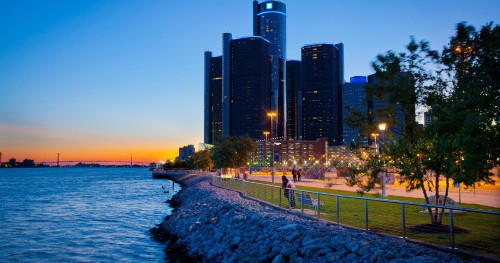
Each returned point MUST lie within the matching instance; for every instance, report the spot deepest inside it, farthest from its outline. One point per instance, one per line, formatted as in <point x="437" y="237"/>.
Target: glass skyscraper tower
<point x="269" y="22"/>
<point x="354" y="99"/>
<point x="322" y="76"/>
<point x="213" y="98"/>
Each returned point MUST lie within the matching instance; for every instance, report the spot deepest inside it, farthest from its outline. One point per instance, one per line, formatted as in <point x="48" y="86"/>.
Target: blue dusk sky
<point x="100" y="80"/>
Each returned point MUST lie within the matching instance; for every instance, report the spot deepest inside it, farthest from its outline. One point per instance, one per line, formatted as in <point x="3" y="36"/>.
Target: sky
<point x="107" y="80"/>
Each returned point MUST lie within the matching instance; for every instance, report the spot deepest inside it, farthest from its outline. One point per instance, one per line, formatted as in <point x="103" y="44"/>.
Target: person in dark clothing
<point x="299" y="174"/>
<point x="294" y="174"/>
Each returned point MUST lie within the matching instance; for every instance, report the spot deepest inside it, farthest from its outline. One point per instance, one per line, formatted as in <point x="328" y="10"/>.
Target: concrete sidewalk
<point x="488" y="195"/>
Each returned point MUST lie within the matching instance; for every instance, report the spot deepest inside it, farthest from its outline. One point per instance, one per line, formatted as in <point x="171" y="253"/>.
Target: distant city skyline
<point x="97" y="80"/>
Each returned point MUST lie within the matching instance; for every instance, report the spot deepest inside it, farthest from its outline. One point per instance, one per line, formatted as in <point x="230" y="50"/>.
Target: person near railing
<point x="288" y="187"/>
<point x="299" y="174"/>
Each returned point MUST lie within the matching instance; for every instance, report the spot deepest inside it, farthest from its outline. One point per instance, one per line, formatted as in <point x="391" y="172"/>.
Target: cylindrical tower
<point x="270" y="23"/>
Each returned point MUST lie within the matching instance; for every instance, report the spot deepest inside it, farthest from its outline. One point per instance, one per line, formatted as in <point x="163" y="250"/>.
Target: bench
<point x="308" y="200"/>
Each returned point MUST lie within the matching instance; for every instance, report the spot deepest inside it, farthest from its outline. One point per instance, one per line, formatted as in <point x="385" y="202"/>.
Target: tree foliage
<point x="461" y="86"/>
<point x="202" y="160"/>
<point x="232" y="152"/>
<point x="199" y="160"/>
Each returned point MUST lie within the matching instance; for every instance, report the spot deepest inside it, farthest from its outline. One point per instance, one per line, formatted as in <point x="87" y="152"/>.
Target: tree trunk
<point x="429" y="209"/>
<point x="445" y="196"/>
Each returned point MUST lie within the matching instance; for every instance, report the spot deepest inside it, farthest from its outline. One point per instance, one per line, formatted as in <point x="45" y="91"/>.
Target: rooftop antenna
<point x="57" y="159"/>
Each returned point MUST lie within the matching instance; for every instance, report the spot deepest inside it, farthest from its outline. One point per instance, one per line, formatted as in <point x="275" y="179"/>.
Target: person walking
<point x="294" y="174"/>
<point x="299" y="174"/>
<point x="288" y="187"/>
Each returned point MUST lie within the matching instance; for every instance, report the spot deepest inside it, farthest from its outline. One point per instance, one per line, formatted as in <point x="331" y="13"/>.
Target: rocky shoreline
<point x="211" y="224"/>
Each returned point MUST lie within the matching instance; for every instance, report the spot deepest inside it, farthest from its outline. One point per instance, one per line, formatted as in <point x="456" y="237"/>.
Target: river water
<point x="81" y="214"/>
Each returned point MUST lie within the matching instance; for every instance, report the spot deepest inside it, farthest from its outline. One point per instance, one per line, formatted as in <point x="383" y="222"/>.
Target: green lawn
<point x="481" y="235"/>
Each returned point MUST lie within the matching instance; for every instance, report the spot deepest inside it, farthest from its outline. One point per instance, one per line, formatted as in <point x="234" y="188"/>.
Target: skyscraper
<point x="226" y="69"/>
<point x="294" y="100"/>
<point x="250" y="86"/>
<point x="269" y="21"/>
<point x="354" y="98"/>
<point x="213" y="98"/>
<point x="322" y="93"/>
<point x="427" y="117"/>
<point x="391" y="113"/>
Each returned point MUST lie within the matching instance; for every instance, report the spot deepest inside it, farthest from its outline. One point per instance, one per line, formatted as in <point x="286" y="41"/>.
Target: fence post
<point x="272" y="193"/>
<point x="244" y="188"/>
<point x="366" y="215"/>
<point x="338" y="209"/>
<point x="280" y="198"/>
<point x="302" y="202"/>
<point x="452" y="234"/>
<point x="403" y="223"/>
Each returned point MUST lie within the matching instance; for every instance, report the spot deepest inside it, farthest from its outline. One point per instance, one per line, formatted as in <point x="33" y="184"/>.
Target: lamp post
<point x="272" y="162"/>
<point x="382" y="127"/>
<point x="376" y="145"/>
<point x="266" y="133"/>
<point x="271" y="114"/>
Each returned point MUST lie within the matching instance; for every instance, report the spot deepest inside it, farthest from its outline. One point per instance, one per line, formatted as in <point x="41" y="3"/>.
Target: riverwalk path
<point x="488" y="195"/>
<point x="212" y="224"/>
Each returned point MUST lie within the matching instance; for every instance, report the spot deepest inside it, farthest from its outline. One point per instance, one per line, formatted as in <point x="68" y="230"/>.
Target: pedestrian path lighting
<point x="271" y="115"/>
<point x="382" y="127"/>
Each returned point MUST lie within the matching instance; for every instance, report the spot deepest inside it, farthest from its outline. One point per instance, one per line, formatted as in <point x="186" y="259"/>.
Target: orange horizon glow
<point x="102" y="156"/>
<point x="42" y="145"/>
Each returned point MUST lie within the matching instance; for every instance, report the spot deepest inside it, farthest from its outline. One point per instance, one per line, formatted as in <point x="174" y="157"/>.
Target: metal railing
<point x="467" y="229"/>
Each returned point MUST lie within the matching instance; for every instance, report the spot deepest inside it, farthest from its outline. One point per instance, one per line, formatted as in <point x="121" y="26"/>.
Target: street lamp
<point x="272" y="162"/>
<point x="265" y="146"/>
<point x="376" y="145"/>
<point x="271" y="114"/>
<point x="382" y="127"/>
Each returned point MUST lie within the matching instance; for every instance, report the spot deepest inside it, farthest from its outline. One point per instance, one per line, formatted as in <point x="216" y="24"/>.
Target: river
<point x="81" y="214"/>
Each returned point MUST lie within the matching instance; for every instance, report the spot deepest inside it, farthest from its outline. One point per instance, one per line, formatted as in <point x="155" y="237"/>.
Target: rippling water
<point x="81" y="214"/>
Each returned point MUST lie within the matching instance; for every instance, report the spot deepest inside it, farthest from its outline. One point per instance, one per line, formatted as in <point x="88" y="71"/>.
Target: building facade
<point x="290" y="153"/>
<point x="294" y="100"/>
<point x="427" y="117"/>
<point x="269" y="22"/>
<point x="322" y="92"/>
<point x="213" y="98"/>
<point x="250" y="87"/>
<point x="354" y="99"/>
<point x="185" y="152"/>
<point x="381" y="112"/>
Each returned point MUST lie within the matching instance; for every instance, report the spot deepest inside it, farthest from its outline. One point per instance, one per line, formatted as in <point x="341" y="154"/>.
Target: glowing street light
<point x="271" y="114"/>
<point x="382" y="127"/>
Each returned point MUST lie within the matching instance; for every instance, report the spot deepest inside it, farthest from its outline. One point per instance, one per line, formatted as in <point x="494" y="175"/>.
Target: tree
<point x="202" y="160"/>
<point x="232" y="152"/>
<point x="461" y="87"/>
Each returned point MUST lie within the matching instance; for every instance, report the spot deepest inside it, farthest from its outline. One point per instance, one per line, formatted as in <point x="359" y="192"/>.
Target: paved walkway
<point x="488" y="195"/>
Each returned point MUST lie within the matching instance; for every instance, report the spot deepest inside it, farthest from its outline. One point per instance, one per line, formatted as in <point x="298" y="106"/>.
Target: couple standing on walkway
<point x="289" y="186"/>
<point x="297" y="174"/>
